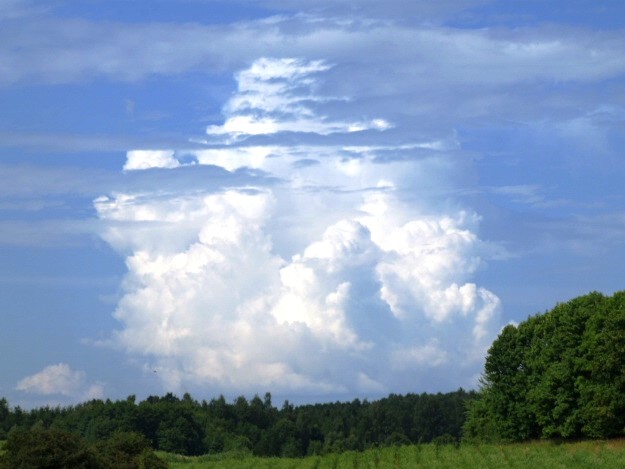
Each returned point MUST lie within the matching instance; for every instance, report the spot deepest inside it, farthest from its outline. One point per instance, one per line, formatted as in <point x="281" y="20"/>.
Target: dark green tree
<point x="601" y="381"/>
<point x="42" y="448"/>
<point x="4" y="418"/>
<point x="128" y="450"/>
<point x="556" y="375"/>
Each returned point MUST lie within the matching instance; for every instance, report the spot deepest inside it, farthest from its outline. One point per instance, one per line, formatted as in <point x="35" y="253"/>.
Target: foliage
<point x="52" y="448"/>
<point x="556" y="375"/>
<point x="4" y="417"/>
<point x="127" y="450"/>
<point x="256" y="426"/>
<point x="41" y="448"/>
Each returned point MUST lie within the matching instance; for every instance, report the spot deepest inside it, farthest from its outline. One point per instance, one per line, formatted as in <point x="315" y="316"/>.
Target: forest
<point x="186" y="426"/>
<point x="559" y="375"/>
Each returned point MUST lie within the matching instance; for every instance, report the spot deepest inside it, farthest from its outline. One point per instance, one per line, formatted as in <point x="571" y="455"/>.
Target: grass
<point x="535" y="455"/>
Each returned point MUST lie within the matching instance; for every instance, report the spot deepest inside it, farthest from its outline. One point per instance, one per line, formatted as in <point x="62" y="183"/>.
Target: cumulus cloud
<point x="60" y="379"/>
<point x="334" y="279"/>
<point x="144" y="159"/>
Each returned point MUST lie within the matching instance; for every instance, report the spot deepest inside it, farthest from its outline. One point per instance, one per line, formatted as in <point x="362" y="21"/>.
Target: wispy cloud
<point x="275" y="95"/>
<point x="454" y="57"/>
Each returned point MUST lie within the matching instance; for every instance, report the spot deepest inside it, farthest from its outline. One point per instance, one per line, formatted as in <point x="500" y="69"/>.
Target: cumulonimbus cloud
<point x="336" y="278"/>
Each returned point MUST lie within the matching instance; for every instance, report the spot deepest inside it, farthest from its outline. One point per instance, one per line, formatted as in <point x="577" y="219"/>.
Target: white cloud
<point x="318" y="238"/>
<point x="95" y="391"/>
<point x="310" y="284"/>
<point x="145" y="159"/>
<point x="60" y="379"/>
<point x="270" y="99"/>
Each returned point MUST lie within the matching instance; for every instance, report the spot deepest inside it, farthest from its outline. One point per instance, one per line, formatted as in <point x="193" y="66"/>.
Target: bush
<point x="41" y="448"/>
<point x="128" y="450"/>
<point x="444" y="440"/>
<point x="46" y="449"/>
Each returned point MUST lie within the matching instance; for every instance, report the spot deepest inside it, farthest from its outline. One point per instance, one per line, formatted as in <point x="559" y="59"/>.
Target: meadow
<point x="586" y="454"/>
<point x="536" y="455"/>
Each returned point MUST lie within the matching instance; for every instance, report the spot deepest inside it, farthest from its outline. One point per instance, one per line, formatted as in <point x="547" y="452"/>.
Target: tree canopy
<point x="560" y="374"/>
<point x="186" y="426"/>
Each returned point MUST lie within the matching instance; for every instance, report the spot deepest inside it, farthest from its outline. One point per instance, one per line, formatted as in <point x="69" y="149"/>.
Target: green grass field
<point x="590" y="454"/>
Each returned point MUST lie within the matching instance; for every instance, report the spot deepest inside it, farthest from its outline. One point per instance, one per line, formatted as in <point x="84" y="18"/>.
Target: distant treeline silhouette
<point x="187" y="426"/>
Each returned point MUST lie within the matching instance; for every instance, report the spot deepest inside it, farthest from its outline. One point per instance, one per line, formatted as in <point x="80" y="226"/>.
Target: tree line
<point x="559" y="375"/>
<point x="190" y="427"/>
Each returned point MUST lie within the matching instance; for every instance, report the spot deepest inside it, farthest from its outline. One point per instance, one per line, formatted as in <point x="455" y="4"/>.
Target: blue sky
<point x="321" y="199"/>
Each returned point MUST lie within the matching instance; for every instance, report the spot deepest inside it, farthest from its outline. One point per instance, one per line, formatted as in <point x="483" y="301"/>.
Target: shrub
<point x="41" y="448"/>
<point x="127" y="450"/>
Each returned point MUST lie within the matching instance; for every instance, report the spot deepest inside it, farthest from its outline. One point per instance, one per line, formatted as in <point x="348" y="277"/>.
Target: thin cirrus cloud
<point x="438" y="56"/>
<point x="312" y="283"/>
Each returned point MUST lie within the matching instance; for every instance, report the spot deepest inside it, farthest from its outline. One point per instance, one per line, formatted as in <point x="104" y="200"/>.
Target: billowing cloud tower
<point x="316" y="259"/>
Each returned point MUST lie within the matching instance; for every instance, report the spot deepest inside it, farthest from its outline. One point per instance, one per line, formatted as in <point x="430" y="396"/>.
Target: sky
<point x="321" y="199"/>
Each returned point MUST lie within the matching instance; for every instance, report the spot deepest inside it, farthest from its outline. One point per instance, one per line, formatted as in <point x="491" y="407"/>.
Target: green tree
<point x="180" y="434"/>
<point x="42" y="448"/>
<point x="4" y="418"/>
<point x="127" y="450"/>
<point x="601" y="382"/>
<point x="556" y="375"/>
<point x="506" y="379"/>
